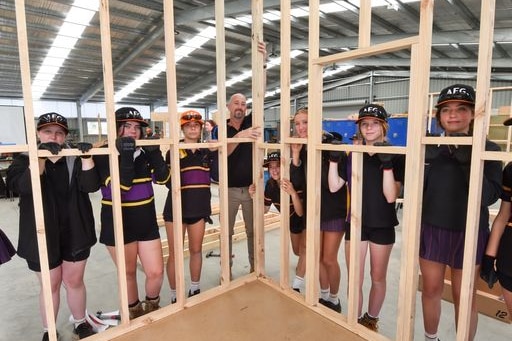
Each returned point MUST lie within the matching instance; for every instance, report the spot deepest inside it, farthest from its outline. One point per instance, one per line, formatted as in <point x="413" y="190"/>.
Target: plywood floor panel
<point x="253" y="311"/>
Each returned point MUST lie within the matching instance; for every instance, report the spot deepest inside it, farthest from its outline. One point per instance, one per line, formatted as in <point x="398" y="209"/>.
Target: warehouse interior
<point x="137" y="31"/>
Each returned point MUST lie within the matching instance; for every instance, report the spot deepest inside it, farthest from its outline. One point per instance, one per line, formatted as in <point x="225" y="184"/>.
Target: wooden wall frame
<point x="420" y="47"/>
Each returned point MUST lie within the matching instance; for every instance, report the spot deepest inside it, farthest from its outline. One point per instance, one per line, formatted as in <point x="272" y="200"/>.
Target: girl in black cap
<point x="69" y="221"/>
<point x="383" y="176"/>
<point x="445" y="200"/>
<point x="497" y="261"/>
<point x="138" y="168"/>
<point x="272" y="195"/>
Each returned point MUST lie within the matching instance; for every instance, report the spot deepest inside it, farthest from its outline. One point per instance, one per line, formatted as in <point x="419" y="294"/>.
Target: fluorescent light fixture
<point x="77" y="19"/>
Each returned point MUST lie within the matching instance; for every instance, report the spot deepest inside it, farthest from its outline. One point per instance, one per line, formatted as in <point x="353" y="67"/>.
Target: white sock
<point x="298" y="282"/>
<point x="373" y="317"/>
<point x="173" y="294"/>
<point x="333" y="298"/>
<point x="78" y="322"/>
<point x="430" y="337"/>
<point x="194" y="286"/>
<point x="324" y="294"/>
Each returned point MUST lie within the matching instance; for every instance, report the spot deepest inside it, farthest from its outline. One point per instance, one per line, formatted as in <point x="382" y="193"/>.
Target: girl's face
<point x="192" y="131"/>
<point x="274" y="170"/>
<point x="455" y="117"/>
<point x="52" y="133"/>
<point x="208" y="126"/>
<point x="301" y="124"/>
<point x="130" y="129"/>
<point x="371" y="130"/>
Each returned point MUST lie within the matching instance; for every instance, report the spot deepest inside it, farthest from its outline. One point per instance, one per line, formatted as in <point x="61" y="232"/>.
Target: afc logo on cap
<point x="457" y="90"/>
<point x="371" y="109"/>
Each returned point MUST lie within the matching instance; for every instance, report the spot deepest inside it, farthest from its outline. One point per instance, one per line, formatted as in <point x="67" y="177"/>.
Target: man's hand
<point x="252" y="190"/>
<point x="52" y="147"/>
<point x="262" y="48"/>
<point x="252" y="133"/>
<point x="385" y="159"/>
<point x="487" y="271"/>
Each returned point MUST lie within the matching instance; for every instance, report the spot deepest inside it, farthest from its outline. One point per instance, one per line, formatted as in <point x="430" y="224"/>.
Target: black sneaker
<point x="297" y="290"/>
<point x="83" y="330"/>
<point x="196" y="292"/>
<point x="336" y="307"/>
<point x="46" y="337"/>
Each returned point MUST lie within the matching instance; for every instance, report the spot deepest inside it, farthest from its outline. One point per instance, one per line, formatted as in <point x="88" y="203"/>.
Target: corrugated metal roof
<point x="138" y="43"/>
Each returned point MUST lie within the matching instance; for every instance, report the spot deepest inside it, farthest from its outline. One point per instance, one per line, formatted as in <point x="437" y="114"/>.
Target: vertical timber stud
<point x="413" y="189"/>
<point x="21" y="25"/>
<point x="172" y="117"/>
<point x="313" y="155"/>
<point x="108" y="83"/>
<point x="477" y="163"/>
<point x="365" y="25"/>
<point x="258" y="94"/>
<point x="220" y="47"/>
<point x="284" y="133"/>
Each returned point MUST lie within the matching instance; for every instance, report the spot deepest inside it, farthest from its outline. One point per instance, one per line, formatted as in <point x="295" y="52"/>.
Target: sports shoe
<point x="151" y="305"/>
<point x="136" y="311"/>
<point x="297" y="290"/>
<point x="196" y="292"/>
<point x="369" y="322"/>
<point x="46" y="337"/>
<point x="334" y="306"/>
<point x="83" y="330"/>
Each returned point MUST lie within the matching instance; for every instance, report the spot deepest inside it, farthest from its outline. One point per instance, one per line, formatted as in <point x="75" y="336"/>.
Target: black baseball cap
<point x="273" y="156"/>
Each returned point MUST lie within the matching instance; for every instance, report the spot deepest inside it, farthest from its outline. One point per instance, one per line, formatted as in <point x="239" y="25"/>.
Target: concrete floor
<point x="19" y="316"/>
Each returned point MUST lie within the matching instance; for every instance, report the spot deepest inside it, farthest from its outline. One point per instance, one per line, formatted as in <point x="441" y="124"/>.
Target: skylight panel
<point x="64" y="41"/>
<point x="80" y="16"/>
<point x="272" y="15"/>
<point x="183" y="51"/>
<point x="229" y="22"/>
<point x="69" y="29"/>
<point x="245" y="18"/>
<point x="299" y="12"/>
<point x="92" y="5"/>
<point x="49" y="69"/>
<point x="53" y="61"/>
<point x="58" y="52"/>
<point x="331" y="7"/>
